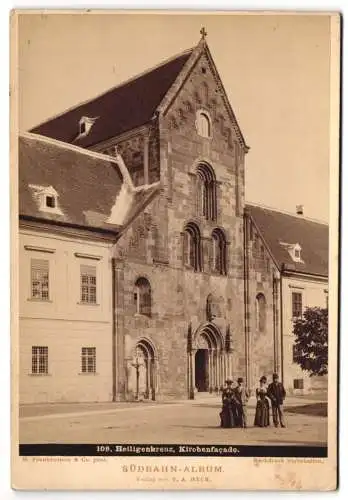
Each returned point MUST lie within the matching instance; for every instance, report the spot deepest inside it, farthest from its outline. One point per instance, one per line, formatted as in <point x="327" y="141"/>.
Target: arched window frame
<point x="143" y="296"/>
<point x="260" y="312"/>
<point x="219" y="252"/>
<point x="206" y="192"/>
<point x="203" y="124"/>
<point x="192" y="247"/>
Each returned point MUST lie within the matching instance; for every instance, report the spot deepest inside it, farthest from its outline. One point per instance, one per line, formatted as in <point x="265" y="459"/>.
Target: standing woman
<point x="262" y="405"/>
<point x="227" y="414"/>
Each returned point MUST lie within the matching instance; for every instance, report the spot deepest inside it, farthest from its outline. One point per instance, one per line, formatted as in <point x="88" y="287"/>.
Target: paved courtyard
<point x="178" y="422"/>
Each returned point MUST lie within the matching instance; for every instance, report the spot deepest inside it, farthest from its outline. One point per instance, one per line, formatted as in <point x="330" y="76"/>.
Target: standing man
<point x="242" y="397"/>
<point x="276" y="394"/>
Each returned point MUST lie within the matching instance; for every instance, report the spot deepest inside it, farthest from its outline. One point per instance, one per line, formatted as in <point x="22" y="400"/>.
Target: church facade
<point x="195" y="299"/>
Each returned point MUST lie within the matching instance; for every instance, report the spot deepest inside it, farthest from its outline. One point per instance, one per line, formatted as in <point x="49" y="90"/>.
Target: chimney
<point x="299" y="209"/>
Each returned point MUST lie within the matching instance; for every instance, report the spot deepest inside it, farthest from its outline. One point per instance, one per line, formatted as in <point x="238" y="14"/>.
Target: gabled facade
<point x="183" y="133"/>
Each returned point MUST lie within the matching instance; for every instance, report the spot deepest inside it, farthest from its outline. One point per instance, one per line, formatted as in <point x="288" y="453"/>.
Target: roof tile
<point x="118" y="110"/>
<point x="279" y="227"/>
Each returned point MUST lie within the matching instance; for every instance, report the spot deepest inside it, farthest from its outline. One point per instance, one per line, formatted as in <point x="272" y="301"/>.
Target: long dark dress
<point x="227" y="414"/>
<point x="262" y="408"/>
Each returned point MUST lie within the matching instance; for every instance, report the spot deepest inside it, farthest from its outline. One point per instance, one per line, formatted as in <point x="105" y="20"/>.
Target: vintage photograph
<point x="174" y="176"/>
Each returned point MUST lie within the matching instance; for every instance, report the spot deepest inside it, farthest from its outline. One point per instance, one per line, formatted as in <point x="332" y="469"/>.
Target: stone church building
<point x="188" y="291"/>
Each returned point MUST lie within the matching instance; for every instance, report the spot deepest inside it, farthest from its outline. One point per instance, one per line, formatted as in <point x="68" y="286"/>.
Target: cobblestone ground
<point x="188" y="422"/>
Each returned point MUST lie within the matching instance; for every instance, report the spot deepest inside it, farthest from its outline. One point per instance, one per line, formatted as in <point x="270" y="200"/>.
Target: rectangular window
<point x="298" y="383"/>
<point x="88" y="360"/>
<point x="88" y="284"/>
<point x="39" y="359"/>
<point x="39" y="279"/>
<point x="296" y="304"/>
<point x="50" y="201"/>
<point x="296" y="353"/>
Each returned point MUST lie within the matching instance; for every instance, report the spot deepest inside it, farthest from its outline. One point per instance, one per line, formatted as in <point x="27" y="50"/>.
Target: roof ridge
<point x="115" y="87"/>
<point x="67" y="145"/>
<point x="285" y="212"/>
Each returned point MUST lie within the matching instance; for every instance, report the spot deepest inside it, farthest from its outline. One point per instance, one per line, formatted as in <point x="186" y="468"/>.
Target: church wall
<point x="265" y="342"/>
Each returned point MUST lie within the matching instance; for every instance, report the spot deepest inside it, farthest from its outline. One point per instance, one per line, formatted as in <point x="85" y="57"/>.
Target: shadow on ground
<point x="314" y="409"/>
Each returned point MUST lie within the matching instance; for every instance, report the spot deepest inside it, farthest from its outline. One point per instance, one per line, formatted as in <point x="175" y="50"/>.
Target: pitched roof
<point x="118" y="110"/>
<point x="90" y="186"/>
<point x="279" y="227"/>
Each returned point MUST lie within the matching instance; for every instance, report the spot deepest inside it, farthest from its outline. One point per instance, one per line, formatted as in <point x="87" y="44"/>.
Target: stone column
<point x="222" y="369"/>
<point x="119" y="363"/>
<point x="210" y="374"/>
<point x="216" y="369"/>
<point x="219" y="369"/>
<point x="129" y="368"/>
<point x="155" y="388"/>
<point x="193" y="367"/>
<point x="148" y="378"/>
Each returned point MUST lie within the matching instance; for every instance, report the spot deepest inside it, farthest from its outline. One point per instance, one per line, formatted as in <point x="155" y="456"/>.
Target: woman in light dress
<point x="262" y="405"/>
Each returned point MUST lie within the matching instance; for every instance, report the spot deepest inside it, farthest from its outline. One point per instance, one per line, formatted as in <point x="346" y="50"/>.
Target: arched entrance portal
<point x="210" y="361"/>
<point x="144" y="365"/>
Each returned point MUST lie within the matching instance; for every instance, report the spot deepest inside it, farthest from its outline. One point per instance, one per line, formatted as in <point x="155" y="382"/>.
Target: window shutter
<point x="88" y="270"/>
<point x="39" y="265"/>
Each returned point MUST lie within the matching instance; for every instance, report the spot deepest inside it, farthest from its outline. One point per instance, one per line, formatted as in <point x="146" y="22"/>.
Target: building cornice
<point x="69" y="230"/>
<point x="130" y="134"/>
<point x="289" y="273"/>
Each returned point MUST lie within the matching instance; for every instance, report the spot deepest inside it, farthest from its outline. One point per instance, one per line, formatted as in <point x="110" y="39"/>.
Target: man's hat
<point x="240" y="380"/>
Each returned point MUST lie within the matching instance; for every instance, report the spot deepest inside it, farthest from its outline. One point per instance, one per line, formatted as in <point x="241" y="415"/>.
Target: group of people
<point x="235" y="398"/>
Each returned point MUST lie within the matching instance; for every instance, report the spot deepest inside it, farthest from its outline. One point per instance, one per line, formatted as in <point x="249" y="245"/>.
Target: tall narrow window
<point x="219" y="252"/>
<point x="192" y="247"/>
<point x="39" y="279"/>
<point x="88" y="360"/>
<point x="39" y="359"/>
<point x="142" y="296"/>
<point x="203" y="124"/>
<point x="88" y="284"/>
<point x="206" y="192"/>
<point x="260" y="312"/>
<point x="296" y="304"/>
<point x="262" y="253"/>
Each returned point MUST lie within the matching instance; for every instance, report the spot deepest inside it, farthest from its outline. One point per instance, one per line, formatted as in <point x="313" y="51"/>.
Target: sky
<point x="275" y="70"/>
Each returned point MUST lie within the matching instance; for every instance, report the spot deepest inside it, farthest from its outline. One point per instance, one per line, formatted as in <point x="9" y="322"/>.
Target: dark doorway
<point x="201" y="370"/>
